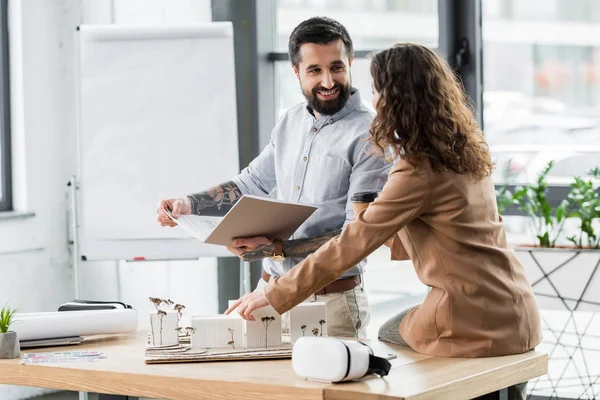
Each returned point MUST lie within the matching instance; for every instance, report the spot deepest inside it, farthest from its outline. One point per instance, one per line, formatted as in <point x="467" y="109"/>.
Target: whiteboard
<point x="156" y="119"/>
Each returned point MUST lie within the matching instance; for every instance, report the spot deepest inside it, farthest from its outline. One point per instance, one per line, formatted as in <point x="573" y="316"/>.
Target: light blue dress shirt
<point x="320" y="162"/>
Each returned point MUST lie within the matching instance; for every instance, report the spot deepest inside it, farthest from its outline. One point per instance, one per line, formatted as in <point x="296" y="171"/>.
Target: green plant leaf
<point x="544" y="241"/>
<point x="561" y="212"/>
<point x="6" y="318"/>
<point x="582" y="203"/>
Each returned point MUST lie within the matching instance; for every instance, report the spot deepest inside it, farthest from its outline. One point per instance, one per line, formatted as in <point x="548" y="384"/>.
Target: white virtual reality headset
<point x="327" y="359"/>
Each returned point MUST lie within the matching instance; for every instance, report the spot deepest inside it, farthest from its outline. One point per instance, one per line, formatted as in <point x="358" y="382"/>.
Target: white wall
<point x="35" y="264"/>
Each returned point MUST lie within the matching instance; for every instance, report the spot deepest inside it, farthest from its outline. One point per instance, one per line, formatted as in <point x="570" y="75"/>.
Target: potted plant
<point x="560" y="266"/>
<point x="563" y="266"/>
<point x="546" y="222"/>
<point x="585" y="201"/>
<point x="9" y="340"/>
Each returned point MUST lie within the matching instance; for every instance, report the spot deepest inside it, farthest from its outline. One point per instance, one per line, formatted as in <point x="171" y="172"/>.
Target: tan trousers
<point x="348" y="313"/>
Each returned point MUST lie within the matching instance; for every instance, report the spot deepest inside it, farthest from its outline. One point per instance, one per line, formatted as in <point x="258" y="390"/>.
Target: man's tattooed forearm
<point x="216" y="201"/>
<point x="291" y="248"/>
<point x="263" y="251"/>
<point x="304" y="247"/>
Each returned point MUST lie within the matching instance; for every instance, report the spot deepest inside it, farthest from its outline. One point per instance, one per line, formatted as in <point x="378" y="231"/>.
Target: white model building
<point x="218" y="331"/>
<point x="163" y="328"/>
<point x="222" y="331"/>
<point x="308" y="319"/>
<point x="265" y="330"/>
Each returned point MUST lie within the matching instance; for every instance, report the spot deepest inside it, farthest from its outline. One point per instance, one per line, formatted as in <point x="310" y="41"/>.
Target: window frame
<point x="6" y="201"/>
<point x="460" y="19"/>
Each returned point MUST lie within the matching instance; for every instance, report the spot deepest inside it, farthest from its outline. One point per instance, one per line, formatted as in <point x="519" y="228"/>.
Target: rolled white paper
<point x="48" y="325"/>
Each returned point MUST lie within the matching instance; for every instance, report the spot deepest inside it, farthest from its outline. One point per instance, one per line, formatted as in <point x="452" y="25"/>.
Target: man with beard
<point x="318" y="154"/>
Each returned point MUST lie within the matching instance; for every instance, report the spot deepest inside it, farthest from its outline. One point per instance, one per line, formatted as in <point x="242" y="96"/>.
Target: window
<point x="541" y="86"/>
<point x="540" y="10"/>
<point x="372" y="24"/>
<point x="5" y="163"/>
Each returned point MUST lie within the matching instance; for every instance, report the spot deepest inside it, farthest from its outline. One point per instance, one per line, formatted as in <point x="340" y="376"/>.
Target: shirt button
<point x="297" y="187"/>
<point x="314" y="129"/>
<point x="305" y="158"/>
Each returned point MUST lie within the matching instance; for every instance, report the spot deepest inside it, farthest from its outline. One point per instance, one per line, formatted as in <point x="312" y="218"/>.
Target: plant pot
<point x="563" y="278"/>
<point x="9" y="345"/>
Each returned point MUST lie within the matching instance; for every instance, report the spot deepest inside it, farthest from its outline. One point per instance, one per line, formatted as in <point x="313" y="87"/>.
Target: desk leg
<point x="499" y="395"/>
<point x="115" y="397"/>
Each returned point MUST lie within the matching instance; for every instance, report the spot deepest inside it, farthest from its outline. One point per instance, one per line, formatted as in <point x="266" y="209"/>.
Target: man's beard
<point x="328" y="107"/>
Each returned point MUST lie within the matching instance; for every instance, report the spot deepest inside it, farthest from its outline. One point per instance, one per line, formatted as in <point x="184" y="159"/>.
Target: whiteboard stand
<point x="121" y="101"/>
<point x="73" y="186"/>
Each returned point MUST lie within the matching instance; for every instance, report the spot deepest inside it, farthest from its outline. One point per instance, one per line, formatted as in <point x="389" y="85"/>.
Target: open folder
<point x="251" y="216"/>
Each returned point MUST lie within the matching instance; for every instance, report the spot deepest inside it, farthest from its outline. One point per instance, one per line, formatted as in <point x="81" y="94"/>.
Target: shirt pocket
<point x="324" y="177"/>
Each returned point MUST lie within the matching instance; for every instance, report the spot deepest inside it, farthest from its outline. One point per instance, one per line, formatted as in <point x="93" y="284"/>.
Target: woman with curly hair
<point x="438" y="209"/>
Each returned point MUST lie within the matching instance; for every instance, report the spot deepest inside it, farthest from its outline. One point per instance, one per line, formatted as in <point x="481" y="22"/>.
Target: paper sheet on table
<point x="199" y="227"/>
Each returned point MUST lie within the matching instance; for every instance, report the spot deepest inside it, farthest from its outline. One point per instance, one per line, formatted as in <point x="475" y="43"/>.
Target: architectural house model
<point x="265" y="330"/>
<point x="308" y="319"/>
<point x="218" y="331"/>
<point x="221" y="331"/>
<point x="163" y="328"/>
<point x="164" y="321"/>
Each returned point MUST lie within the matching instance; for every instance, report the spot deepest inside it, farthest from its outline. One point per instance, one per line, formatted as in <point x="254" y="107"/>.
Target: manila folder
<point x="255" y="216"/>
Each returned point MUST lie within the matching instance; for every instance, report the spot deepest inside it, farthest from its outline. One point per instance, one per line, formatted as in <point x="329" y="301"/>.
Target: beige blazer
<point x="480" y="303"/>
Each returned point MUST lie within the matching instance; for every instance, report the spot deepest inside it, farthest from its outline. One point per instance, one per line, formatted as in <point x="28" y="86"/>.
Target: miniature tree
<point x="179" y="308"/>
<point x="190" y="330"/>
<point x="160" y="305"/>
<point x="231" y="342"/>
<point x="161" y="314"/>
<point x="303" y="328"/>
<point x="321" y="322"/>
<point x="266" y="322"/>
<point x="156" y="302"/>
<point x="315" y="332"/>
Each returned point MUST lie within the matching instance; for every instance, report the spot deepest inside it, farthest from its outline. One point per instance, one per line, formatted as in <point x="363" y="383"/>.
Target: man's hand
<point x="252" y="249"/>
<point x="250" y="302"/>
<point x="177" y="207"/>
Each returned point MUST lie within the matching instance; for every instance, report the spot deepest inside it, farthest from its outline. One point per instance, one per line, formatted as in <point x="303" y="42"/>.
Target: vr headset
<point x="331" y="360"/>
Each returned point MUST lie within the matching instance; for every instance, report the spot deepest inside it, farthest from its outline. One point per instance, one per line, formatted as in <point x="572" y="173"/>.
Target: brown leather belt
<point x="341" y="285"/>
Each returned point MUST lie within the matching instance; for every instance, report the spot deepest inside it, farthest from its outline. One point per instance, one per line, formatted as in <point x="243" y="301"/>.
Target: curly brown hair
<point x="423" y="112"/>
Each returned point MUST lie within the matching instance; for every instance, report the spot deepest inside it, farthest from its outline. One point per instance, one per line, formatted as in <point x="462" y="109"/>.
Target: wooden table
<point x="413" y="376"/>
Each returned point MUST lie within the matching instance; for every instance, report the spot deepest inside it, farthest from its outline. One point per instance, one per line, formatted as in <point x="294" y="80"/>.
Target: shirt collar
<point x="353" y="102"/>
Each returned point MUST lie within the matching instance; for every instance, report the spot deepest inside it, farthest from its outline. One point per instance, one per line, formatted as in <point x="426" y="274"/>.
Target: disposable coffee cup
<point x="361" y="200"/>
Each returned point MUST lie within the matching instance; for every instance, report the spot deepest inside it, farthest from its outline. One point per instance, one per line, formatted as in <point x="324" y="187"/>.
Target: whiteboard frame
<point x="143" y="249"/>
